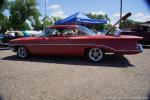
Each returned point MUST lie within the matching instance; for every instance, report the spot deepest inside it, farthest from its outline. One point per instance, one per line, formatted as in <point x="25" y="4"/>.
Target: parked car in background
<point x="75" y="40"/>
<point x="1" y="36"/>
<point x="142" y="30"/>
<point x="9" y="35"/>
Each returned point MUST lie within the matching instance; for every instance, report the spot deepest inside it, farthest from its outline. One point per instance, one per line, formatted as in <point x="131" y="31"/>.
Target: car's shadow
<point x="109" y="61"/>
<point x="1" y="98"/>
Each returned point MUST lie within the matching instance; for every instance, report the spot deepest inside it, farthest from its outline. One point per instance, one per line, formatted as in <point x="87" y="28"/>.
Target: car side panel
<point x="78" y="45"/>
<point x="45" y="46"/>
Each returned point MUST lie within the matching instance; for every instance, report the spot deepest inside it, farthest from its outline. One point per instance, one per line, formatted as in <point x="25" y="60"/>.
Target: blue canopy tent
<point x="79" y="19"/>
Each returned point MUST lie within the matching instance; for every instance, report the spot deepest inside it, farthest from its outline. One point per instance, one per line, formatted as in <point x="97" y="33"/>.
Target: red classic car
<point x="75" y="40"/>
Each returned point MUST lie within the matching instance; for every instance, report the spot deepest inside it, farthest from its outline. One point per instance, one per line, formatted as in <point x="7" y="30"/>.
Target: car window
<point x="63" y="32"/>
<point x="73" y="32"/>
<point x="51" y="32"/>
<point x="86" y="30"/>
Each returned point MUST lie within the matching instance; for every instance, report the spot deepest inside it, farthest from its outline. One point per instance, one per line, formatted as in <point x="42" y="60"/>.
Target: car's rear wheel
<point x="95" y="54"/>
<point x="22" y="52"/>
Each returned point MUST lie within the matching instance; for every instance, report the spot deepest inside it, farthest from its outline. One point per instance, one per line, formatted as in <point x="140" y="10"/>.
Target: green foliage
<point x="128" y="22"/>
<point x="98" y="16"/>
<point x="48" y="21"/>
<point x="4" y="21"/>
<point x="3" y="5"/>
<point x="21" y="11"/>
<point x="54" y="18"/>
<point x="37" y="24"/>
<point x="108" y="26"/>
<point x="4" y="24"/>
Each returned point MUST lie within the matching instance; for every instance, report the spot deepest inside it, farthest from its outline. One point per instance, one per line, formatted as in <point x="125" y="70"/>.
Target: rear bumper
<point x="140" y="48"/>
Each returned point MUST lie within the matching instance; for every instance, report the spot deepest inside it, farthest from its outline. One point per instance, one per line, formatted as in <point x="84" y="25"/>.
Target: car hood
<point x="23" y="40"/>
<point x="26" y="38"/>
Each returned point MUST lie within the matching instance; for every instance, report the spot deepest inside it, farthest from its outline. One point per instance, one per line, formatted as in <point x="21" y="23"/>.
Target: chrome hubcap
<point x="95" y="54"/>
<point x="22" y="52"/>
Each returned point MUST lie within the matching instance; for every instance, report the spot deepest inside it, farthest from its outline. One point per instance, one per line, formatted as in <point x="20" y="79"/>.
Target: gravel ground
<point x="67" y="78"/>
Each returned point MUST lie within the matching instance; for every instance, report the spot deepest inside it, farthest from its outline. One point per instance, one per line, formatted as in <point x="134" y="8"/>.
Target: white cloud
<point x="117" y="15"/>
<point x="143" y="18"/>
<point x="56" y="10"/>
<point x="58" y="14"/>
<point x="54" y="7"/>
<point x="99" y="12"/>
<point x="140" y="17"/>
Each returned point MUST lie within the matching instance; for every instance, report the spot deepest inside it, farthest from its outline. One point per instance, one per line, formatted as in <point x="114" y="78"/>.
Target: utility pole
<point x="45" y="16"/>
<point x="120" y="11"/>
<point x="45" y="9"/>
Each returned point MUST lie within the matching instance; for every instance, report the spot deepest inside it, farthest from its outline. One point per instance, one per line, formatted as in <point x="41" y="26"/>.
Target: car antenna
<point x="122" y="18"/>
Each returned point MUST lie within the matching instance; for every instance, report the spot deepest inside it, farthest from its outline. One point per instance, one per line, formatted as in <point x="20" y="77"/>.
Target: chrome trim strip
<point x="76" y="45"/>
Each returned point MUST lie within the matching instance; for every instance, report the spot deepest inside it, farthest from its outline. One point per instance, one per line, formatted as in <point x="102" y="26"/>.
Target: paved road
<point x="59" y="78"/>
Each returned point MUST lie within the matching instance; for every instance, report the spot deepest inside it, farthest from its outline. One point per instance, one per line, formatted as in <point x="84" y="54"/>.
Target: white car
<point x="34" y="33"/>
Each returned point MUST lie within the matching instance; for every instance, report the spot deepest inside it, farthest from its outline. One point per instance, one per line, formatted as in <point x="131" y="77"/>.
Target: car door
<point x="74" y="46"/>
<point x="50" y="44"/>
<point x="54" y="45"/>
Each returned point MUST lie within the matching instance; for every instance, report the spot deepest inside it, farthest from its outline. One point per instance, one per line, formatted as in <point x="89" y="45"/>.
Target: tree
<point x="128" y="22"/>
<point x="2" y="8"/>
<point x="21" y="11"/>
<point x="4" y="21"/>
<point x="48" y="21"/>
<point x="98" y="16"/>
<point x="37" y="25"/>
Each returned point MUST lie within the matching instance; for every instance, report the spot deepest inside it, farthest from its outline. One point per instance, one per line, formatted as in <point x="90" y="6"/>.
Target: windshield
<point x="86" y="30"/>
<point x="76" y="31"/>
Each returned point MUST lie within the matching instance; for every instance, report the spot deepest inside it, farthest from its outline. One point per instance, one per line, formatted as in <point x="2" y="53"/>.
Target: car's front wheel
<point x="22" y="52"/>
<point x="95" y="54"/>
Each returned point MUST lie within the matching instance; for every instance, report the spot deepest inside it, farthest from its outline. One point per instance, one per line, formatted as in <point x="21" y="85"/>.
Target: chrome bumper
<point x="140" y="48"/>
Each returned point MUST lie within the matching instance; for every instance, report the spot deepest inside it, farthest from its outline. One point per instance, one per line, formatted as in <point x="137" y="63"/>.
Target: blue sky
<point x="64" y="8"/>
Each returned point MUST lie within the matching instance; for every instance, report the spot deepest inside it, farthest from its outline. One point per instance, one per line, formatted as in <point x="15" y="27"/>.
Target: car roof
<point x="12" y="32"/>
<point x="64" y="26"/>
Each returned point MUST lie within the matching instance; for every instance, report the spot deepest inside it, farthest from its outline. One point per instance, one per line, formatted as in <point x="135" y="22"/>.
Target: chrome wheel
<point x="22" y="52"/>
<point x="95" y="54"/>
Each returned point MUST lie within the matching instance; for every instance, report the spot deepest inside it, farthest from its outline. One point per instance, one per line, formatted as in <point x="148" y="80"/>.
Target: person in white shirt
<point x="117" y="31"/>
